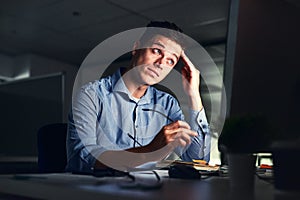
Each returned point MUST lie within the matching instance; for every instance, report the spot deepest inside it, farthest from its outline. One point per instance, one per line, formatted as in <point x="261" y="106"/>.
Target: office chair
<point x="52" y="156"/>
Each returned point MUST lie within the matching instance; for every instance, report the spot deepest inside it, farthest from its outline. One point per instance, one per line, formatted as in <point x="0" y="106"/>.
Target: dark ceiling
<point x="67" y="30"/>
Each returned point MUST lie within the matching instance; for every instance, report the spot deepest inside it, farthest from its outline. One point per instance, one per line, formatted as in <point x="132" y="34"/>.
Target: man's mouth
<point x="153" y="71"/>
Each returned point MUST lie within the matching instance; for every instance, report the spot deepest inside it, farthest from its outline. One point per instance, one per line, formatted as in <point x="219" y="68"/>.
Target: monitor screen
<point x="25" y="106"/>
<point x="262" y="73"/>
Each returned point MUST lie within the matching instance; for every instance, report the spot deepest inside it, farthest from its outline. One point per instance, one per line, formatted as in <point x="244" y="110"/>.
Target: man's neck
<point x="139" y="92"/>
<point x="136" y="90"/>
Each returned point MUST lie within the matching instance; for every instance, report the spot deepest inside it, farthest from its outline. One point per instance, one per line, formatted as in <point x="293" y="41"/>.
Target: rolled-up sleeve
<point x="82" y="147"/>
<point x="201" y="144"/>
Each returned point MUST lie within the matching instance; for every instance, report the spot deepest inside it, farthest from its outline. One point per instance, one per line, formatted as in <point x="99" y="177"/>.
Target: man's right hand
<point x="178" y="133"/>
<point x="175" y="134"/>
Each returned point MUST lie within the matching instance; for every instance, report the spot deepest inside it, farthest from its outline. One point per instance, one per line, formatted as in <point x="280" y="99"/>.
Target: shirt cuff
<point x="198" y="118"/>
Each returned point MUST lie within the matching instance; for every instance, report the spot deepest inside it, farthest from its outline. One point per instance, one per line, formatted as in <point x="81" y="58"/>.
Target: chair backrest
<point x="52" y="156"/>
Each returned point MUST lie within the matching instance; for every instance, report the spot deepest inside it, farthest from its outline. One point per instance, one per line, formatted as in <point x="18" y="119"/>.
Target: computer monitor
<point x="262" y="71"/>
<point x="25" y="106"/>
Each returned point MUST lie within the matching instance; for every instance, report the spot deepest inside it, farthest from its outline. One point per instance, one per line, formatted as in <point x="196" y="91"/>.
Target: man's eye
<point x="170" y="62"/>
<point x="156" y="51"/>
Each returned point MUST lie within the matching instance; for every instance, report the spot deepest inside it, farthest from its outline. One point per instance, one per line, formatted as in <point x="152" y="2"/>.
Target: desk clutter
<point x="200" y="165"/>
<point x="189" y="170"/>
<point x="200" y="168"/>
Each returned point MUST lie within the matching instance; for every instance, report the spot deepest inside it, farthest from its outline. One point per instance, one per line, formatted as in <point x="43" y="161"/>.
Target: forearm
<point x="125" y="160"/>
<point x="195" y="102"/>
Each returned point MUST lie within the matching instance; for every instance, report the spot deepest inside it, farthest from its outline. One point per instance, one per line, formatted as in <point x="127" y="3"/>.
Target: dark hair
<point x="164" y="28"/>
<point x="165" y="24"/>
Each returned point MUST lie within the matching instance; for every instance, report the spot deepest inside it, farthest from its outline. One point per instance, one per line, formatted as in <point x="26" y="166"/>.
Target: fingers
<point x="186" y="73"/>
<point x="178" y="124"/>
<point x="186" y="60"/>
<point x="189" y="71"/>
<point x="179" y="133"/>
<point x="188" y="132"/>
<point x="182" y="139"/>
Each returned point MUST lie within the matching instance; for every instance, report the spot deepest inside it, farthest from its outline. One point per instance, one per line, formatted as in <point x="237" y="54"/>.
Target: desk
<point x="69" y="186"/>
<point x="15" y="164"/>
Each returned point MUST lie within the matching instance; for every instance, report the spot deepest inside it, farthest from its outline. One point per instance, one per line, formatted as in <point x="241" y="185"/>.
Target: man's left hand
<point x="191" y="82"/>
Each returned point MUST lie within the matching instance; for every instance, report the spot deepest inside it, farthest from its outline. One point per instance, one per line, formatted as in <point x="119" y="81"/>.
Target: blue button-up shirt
<point x="104" y="114"/>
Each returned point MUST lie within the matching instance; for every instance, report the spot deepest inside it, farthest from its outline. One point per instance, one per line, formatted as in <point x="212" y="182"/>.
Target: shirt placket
<point x="135" y="125"/>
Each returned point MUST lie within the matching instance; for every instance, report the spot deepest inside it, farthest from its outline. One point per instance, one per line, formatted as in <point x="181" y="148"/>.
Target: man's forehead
<point x="166" y="44"/>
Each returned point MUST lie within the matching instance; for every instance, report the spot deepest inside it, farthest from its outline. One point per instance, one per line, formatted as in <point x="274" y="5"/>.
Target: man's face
<point x="155" y="61"/>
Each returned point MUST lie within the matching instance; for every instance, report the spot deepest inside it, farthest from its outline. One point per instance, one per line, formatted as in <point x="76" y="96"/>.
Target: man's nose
<point x="159" y="61"/>
<point x="158" y="65"/>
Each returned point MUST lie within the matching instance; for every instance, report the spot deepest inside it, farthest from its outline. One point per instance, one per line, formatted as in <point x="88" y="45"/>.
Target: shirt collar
<point x="120" y="87"/>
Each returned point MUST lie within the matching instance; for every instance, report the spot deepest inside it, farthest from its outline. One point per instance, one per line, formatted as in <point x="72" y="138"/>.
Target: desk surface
<point x="67" y="186"/>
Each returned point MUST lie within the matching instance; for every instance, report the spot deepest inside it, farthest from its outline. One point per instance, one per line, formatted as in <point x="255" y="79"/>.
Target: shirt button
<point x="136" y="126"/>
<point x="200" y="120"/>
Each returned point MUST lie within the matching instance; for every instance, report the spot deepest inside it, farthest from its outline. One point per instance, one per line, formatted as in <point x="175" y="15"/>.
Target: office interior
<point x="253" y="43"/>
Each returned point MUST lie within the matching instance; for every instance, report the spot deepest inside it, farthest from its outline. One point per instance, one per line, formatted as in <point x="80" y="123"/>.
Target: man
<point x="122" y="121"/>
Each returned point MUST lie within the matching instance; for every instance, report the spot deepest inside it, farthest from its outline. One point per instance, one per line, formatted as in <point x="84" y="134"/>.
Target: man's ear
<point x="135" y="47"/>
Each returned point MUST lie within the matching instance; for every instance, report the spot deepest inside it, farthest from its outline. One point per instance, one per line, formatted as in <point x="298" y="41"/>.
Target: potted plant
<point x="241" y="138"/>
<point x="246" y="134"/>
